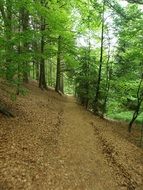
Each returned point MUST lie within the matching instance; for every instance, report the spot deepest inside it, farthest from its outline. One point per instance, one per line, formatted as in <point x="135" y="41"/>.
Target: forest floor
<point x="53" y="143"/>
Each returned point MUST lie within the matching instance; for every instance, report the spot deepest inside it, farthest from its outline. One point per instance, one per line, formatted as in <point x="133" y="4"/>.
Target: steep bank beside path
<point x="54" y="144"/>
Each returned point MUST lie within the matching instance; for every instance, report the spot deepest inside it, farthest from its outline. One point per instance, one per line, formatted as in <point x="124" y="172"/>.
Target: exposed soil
<point x="52" y="143"/>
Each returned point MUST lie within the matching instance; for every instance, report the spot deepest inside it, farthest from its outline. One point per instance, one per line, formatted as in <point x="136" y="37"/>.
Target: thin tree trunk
<point x="19" y="53"/>
<point x="139" y="102"/>
<point x="100" y="64"/>
<point x="37" y="71"/>
<point x="18" y="69"/>
<point x="33" y="70"/>
<point x="25" y="48"/>
<point x="88" y="59"/>
<point x="141" y="139"/>
<point x="7" y="17"/>
<point x="58" y="74"/>
<point x="86" y="101"/>
<point x="50" y="73"/>
<point x="36" y="51"/>
<point x="42" y="78"/>
<point x="62" y="82"/>
<point x="108" y="78"/>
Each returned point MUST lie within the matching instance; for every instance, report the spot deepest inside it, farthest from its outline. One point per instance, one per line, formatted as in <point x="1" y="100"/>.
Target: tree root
<point x="5" y="112"/>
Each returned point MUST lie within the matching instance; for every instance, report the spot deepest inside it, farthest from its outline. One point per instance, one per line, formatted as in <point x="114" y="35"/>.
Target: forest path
<point x="93" y="159"/>
<point x="55" y="144"/>
<point x="84" y="166"/>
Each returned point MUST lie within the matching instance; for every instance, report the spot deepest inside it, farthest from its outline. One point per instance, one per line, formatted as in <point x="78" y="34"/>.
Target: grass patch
<point x="125" y="116"/>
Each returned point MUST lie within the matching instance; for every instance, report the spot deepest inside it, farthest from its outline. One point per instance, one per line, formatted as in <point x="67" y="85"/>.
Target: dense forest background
<point x="92" y="49"/>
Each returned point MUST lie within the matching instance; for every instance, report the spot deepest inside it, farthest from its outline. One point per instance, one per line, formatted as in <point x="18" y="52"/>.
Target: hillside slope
<point x="52" y="143"/>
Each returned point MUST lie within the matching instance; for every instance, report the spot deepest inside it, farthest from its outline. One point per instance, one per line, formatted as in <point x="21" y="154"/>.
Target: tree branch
<point x="136" y="1"/>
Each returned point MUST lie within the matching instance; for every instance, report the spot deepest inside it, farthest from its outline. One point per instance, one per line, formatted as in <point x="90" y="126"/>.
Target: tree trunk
<point x="141" y="139"/>
<point x="50" y="73"/>
<point x="37" y="71"/>
<point x="96" y="100"/>
<point x="108" y="79"/>
<point x="18" y="69"/>
<point x="88" y="59"/>
<point x="135" y="115"/>
<point x="58" y="74"/>
<point x="62" y="82"/>
<point x="35" y="49"/>
<point x="139" y="102"/>
<point x="25" y="48"/>
<point x="7" y="17"/>
<point x="42" y="78"/>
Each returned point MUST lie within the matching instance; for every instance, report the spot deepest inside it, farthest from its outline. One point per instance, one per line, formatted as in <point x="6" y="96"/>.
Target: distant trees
<point x="29" y="34"/>
<point x="115" y="76"/>
<point x="93" y="81"/>
<point x="129" y="58"/>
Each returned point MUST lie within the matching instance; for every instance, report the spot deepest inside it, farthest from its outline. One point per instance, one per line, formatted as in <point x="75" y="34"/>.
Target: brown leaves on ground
<point x="54" y="144"/>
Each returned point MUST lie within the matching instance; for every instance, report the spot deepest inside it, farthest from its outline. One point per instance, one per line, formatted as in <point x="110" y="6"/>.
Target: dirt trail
<point x="84" y="166"/>
<point x="54" y="144"/>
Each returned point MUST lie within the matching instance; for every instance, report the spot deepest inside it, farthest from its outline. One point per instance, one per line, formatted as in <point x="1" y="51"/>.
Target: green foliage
<point x="124" y="116"/>
<point x="26" y="25"/>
